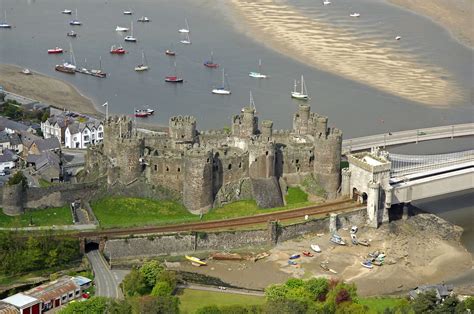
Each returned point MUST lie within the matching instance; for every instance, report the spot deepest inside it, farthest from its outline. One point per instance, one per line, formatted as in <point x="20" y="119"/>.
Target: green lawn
<point x="378" y="305"/>
<point x="113" y="212"/>
<point x="191" y="300"/>
<point x="40" y="217"/>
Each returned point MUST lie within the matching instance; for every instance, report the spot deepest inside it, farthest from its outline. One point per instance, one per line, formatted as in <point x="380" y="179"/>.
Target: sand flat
<point x="345" y="53"/>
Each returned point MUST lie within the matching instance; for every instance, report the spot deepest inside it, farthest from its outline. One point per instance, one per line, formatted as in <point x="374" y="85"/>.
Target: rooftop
<point x="54" y="289"/>
<point x="20" y="300"/>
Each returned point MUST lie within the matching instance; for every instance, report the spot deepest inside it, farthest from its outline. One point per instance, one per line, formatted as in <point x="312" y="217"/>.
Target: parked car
<point x="2" y="173"/>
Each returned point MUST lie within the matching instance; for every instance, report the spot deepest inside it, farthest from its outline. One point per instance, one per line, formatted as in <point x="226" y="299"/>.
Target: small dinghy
<point x="367" y="264"/>
<point x="295" y="256"/>
<point x="308" y="254"/>
<point x="315" y="248"/>
<point x="26" y="71"/>
<point x="290" y="262"/>
<point x="354" y="14"/>
<point x="337" y="239"/>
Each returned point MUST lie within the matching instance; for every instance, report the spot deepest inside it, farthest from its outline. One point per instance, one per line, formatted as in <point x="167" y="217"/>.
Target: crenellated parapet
<point x="183" y="128"/>
<point x="245" y="124"/>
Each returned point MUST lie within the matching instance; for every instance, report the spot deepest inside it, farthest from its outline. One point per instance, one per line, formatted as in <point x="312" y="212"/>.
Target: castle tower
<point x="245" y="125"/>
<point x="266" y="131"/>
<point x="197" y="183"/>
<point x="13" y="196"/>
<point x="327" y="166"/>
<point x="262" y="160"/>
<point x="301" y="120"/>
<point x="183" y="128"/>
<point x="124" y="149"/>
<point x="321" y="126"/>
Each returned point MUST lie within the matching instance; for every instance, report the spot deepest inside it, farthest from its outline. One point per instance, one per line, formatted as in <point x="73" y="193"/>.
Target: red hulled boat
<point x="117" y="50"/>
<point x="56" y="50"/>
<point x="143" y="113"/>
<point x="173" y="79"/>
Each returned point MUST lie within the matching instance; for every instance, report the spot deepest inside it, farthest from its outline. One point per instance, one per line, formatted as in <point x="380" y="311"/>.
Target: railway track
<point x="234" y="222"/>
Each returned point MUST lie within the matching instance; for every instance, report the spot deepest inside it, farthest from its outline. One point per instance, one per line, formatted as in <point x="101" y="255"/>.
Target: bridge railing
<point x="408" y="164"/>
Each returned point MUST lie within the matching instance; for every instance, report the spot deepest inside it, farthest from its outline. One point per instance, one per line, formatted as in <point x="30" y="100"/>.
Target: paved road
<point x="226" y="290"/>
<point x="405" y="137"/>
<point x="105" y="280"/>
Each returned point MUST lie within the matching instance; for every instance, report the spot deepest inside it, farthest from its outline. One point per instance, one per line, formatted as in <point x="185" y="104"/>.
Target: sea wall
<point x="186" y="243"/>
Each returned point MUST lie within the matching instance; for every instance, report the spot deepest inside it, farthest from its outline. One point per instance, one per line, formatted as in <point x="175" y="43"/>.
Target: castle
<point x="215" y="167"/>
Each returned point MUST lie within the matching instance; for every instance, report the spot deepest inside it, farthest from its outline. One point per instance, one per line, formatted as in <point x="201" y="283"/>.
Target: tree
<point x="276" y="293"/>
<point x="150" y="271"/>
<point x="286" y="306"/>
<point x="134" y="284"/>
<point x="161" y="288"/>
<point x="318" y="287"/>
<point x="425" y="302"/>
<point x="155" y="305"/>
<point x="96" y="305"/>
<point x="119" y="307"/>
<point x="449" y="305"/>
<point x="18" y="177"/>
<point x="52" y="259"/>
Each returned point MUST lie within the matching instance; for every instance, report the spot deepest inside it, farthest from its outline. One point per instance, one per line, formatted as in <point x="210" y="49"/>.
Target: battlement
<point x="183" y="128"/>
<point x="182" y="120"/>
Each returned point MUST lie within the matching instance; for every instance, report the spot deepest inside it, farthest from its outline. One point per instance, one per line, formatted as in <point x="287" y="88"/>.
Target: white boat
<point x="26" y="71"/>
<point x="66" y="11"/>
<point x="127" y="12"/>
<point x="144" y="19"/>
<point x="222" y="90"/>
<point x="186" y="29"/>
<point x="4" y="24"/>
<point x="130" y="37"/>
<point x="71" y="65"/>
<point x="398" y="37"/>
<point x="367" y="264"/>
<point x="186" y="41"/>
<point x="121" y="29"/>
<point x="144" y="65"/>
<point x="354" y="14"/>
<point x="326" y="2"/>
<point x="75" y="21"/>
<point x="315" y="248"/>
<point x="258" y="74"/>
<point x="302" y="94"/>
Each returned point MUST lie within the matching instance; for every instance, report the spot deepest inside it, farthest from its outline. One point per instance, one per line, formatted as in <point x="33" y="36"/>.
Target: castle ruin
<point x="209" y="168"/>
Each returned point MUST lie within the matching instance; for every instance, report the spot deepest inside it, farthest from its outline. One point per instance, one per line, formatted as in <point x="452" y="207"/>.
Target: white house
<point x="7" y="160"/>
<point x="81" y="135"/>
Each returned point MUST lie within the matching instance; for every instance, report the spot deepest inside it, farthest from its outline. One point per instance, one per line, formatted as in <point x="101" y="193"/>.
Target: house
<point x="42" y="145"/>
<point x="81" y="135"/>
<point x="11" y="141"/>
<point x="11" y="126"/>
<point x="442" y="291"/>
<point x="25" y="304"/>
<point x="83" y="282"/>
<point x="55" y="126"/>
<point x="8" y="160"/>
<point x="47" y="165"/>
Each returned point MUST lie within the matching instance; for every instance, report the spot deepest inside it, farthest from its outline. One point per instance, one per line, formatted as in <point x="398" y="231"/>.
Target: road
<point x="106" y="281"/>
<point x="326" y="208"/>
<point x="226" y="290"/>
<point x="405" y="137"/>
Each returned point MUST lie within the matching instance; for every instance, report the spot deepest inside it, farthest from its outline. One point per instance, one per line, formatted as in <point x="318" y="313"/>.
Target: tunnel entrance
<point x="91" y="246"/>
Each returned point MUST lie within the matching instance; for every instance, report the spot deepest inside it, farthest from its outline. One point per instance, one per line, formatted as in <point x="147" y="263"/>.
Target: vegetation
<point x="17" y="178"/>
<point x="115" y="212"/>
<point x="44" y="183"/>
<point x="207" y="301"/>
<point x="13" y="110"/>
<point x="381" y="305"/>
<point x="41" y="217"/>
<point x="20" y="253"/>
<point x="313" y="186"/>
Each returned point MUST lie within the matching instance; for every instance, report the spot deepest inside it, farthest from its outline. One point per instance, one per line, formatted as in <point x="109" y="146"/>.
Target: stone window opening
<point x="297" y="161"/>
<point x="156" y="168"/>
<point x="266" y="153"/>
<point x="182" y="135"/>
<point x="167" y="169"/>
<point x="207" y="160"/>
<point x="179" y="169"/>
<point x="255" y="159"/>
<point x="297" y="169"/>
<point x="229" y="166"/>
<point x="240" y="165"/>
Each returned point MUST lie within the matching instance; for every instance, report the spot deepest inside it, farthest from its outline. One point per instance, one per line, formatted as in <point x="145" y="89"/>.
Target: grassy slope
<point x="191" y="300"/>
<point x="378" y="305"/>
<point x="40" y="217"/>
<point x="123" y="211"/>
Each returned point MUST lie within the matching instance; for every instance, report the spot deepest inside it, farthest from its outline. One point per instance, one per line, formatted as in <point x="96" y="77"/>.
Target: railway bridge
<point x="380" y="179"/>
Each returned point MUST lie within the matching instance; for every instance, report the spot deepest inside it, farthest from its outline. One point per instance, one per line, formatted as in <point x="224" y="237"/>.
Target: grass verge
<point x="192" y="300"/>
<point x="40" y="217"/>
<point x="378" y="305"/>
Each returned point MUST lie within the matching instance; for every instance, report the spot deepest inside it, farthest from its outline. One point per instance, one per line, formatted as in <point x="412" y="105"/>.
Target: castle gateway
<point x="209" y="168"/>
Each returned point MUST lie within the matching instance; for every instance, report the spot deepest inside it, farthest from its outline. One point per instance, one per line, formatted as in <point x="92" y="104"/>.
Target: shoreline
<point x="452" y="16"/>
<point x="341" y="52"/>
<point x="46" y="89"/>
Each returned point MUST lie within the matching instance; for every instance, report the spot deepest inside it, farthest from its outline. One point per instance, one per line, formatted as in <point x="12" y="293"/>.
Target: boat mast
<point x="294" y="87"/>
<point x="259" y="65"/>
<point x="186" y="22"/>
<point x="212" y="55"/>
<point x="302" y="84"/>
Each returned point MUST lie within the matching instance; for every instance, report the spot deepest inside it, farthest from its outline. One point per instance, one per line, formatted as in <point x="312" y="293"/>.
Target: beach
<point x="455" y="15"/>
<point x="342" y="51"/>
<point x="415" y="254"/>
<point x="45" y="89"/>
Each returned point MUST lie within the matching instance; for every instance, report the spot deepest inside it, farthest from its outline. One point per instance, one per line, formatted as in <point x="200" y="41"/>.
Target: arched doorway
<point x="355" y="194"/>
<point x="364" y="198"/>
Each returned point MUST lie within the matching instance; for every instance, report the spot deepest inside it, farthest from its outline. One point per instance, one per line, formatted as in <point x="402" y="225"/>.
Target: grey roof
<point x="442" y="291"/>
<point x="44" y="160"/>
<point x="27" y="138"/>
<point x="10" y="124"/>
<point x="4" y="138"/>
<point x="13" y="139"/>
<point x="46" y="144"/>
<point x="7" y="155"/>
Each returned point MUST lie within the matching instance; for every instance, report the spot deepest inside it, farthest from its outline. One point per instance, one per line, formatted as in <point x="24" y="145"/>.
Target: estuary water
<point x="355" y="107"/>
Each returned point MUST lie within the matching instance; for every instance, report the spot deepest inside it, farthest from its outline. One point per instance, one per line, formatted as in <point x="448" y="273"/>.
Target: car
<point x="2" y="173"/>
<point x="222" y="288"/>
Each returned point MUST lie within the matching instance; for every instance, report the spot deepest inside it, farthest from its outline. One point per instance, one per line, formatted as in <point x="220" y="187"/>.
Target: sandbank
<point x="45" y="89"/>
<point x="381" y="65"/>
<point x="454" y="15"/>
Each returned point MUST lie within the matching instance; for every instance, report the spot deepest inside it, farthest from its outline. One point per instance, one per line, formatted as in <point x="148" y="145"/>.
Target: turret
<point x="183" y="128"/>
<point x="321" y="126"/>
<point x="197" y="183"/>
<point x="266" y="131"/>
<point x="13" y="196"/>
<point x="327" y="166"/>
<point x="301" y="120"/>
<point x="245" y="124"/>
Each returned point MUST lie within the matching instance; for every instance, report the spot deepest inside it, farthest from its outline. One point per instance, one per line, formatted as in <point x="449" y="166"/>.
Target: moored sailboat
<point x="210" y="63"/>
<point x="222" y="90"/>
<point x="4" y="24"/>
<point x="187" y="40"/>
<point x="185" y="29"/>
<point x="143" y="66"/>
<point x="302" y="94"/>
<point x="258" y="74"/>
<point x="174" y="78"/>
<point x="75" y="21"/>
<point x="130" y="38"/>
<point x="117" y="50"/>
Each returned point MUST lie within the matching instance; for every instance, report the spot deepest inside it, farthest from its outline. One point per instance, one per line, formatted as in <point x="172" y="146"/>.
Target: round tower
<point x="321" y="125"/>
<point x="327" y="165"/>
<point x="13" y="196"/>
<point x="197" y="183"/>
<point x="301" y="120"/>
<point x="249" y="122"/>
<point x="266" y="131"/>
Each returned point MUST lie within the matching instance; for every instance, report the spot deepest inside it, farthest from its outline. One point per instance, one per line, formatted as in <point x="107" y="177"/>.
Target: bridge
<point x="381" y="179"/>
<point x="406" y="137"/>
